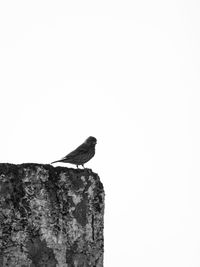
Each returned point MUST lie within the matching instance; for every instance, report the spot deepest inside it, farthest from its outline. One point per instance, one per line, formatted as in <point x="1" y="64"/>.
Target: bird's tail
<point x="55" y="161"/>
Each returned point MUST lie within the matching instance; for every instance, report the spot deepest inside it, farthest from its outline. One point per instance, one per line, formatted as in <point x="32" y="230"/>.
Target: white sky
<point x="126" y="72"/>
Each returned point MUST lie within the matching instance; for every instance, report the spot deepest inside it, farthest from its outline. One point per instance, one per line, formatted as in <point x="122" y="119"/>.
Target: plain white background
<point x="126" y="72"/>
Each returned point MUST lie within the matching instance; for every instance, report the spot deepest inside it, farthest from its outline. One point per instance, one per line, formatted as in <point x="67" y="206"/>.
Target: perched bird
<point x="81" y="154"/>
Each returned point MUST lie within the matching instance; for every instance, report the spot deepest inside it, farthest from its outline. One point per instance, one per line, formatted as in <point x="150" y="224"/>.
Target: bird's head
<point x="91" y="141"/>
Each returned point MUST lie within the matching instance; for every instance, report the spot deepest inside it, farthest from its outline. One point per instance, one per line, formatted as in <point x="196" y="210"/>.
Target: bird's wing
<point x="79" y="150"/>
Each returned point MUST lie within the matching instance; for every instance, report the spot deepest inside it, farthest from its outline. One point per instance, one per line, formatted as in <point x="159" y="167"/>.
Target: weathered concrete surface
<point x="50" y="217"/>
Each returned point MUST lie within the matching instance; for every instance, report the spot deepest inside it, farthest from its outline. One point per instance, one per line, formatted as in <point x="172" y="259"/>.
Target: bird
<point x="81" y="154"/>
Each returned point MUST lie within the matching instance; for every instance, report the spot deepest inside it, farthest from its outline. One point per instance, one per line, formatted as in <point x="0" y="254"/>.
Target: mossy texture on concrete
<point x="50" y="217"/>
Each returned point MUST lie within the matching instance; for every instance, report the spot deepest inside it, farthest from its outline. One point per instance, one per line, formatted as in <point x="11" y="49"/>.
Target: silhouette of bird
<point x="81" y="154"/>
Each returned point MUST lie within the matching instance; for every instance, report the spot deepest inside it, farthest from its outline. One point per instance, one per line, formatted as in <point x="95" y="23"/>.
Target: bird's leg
<point x="83" y="166"/>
